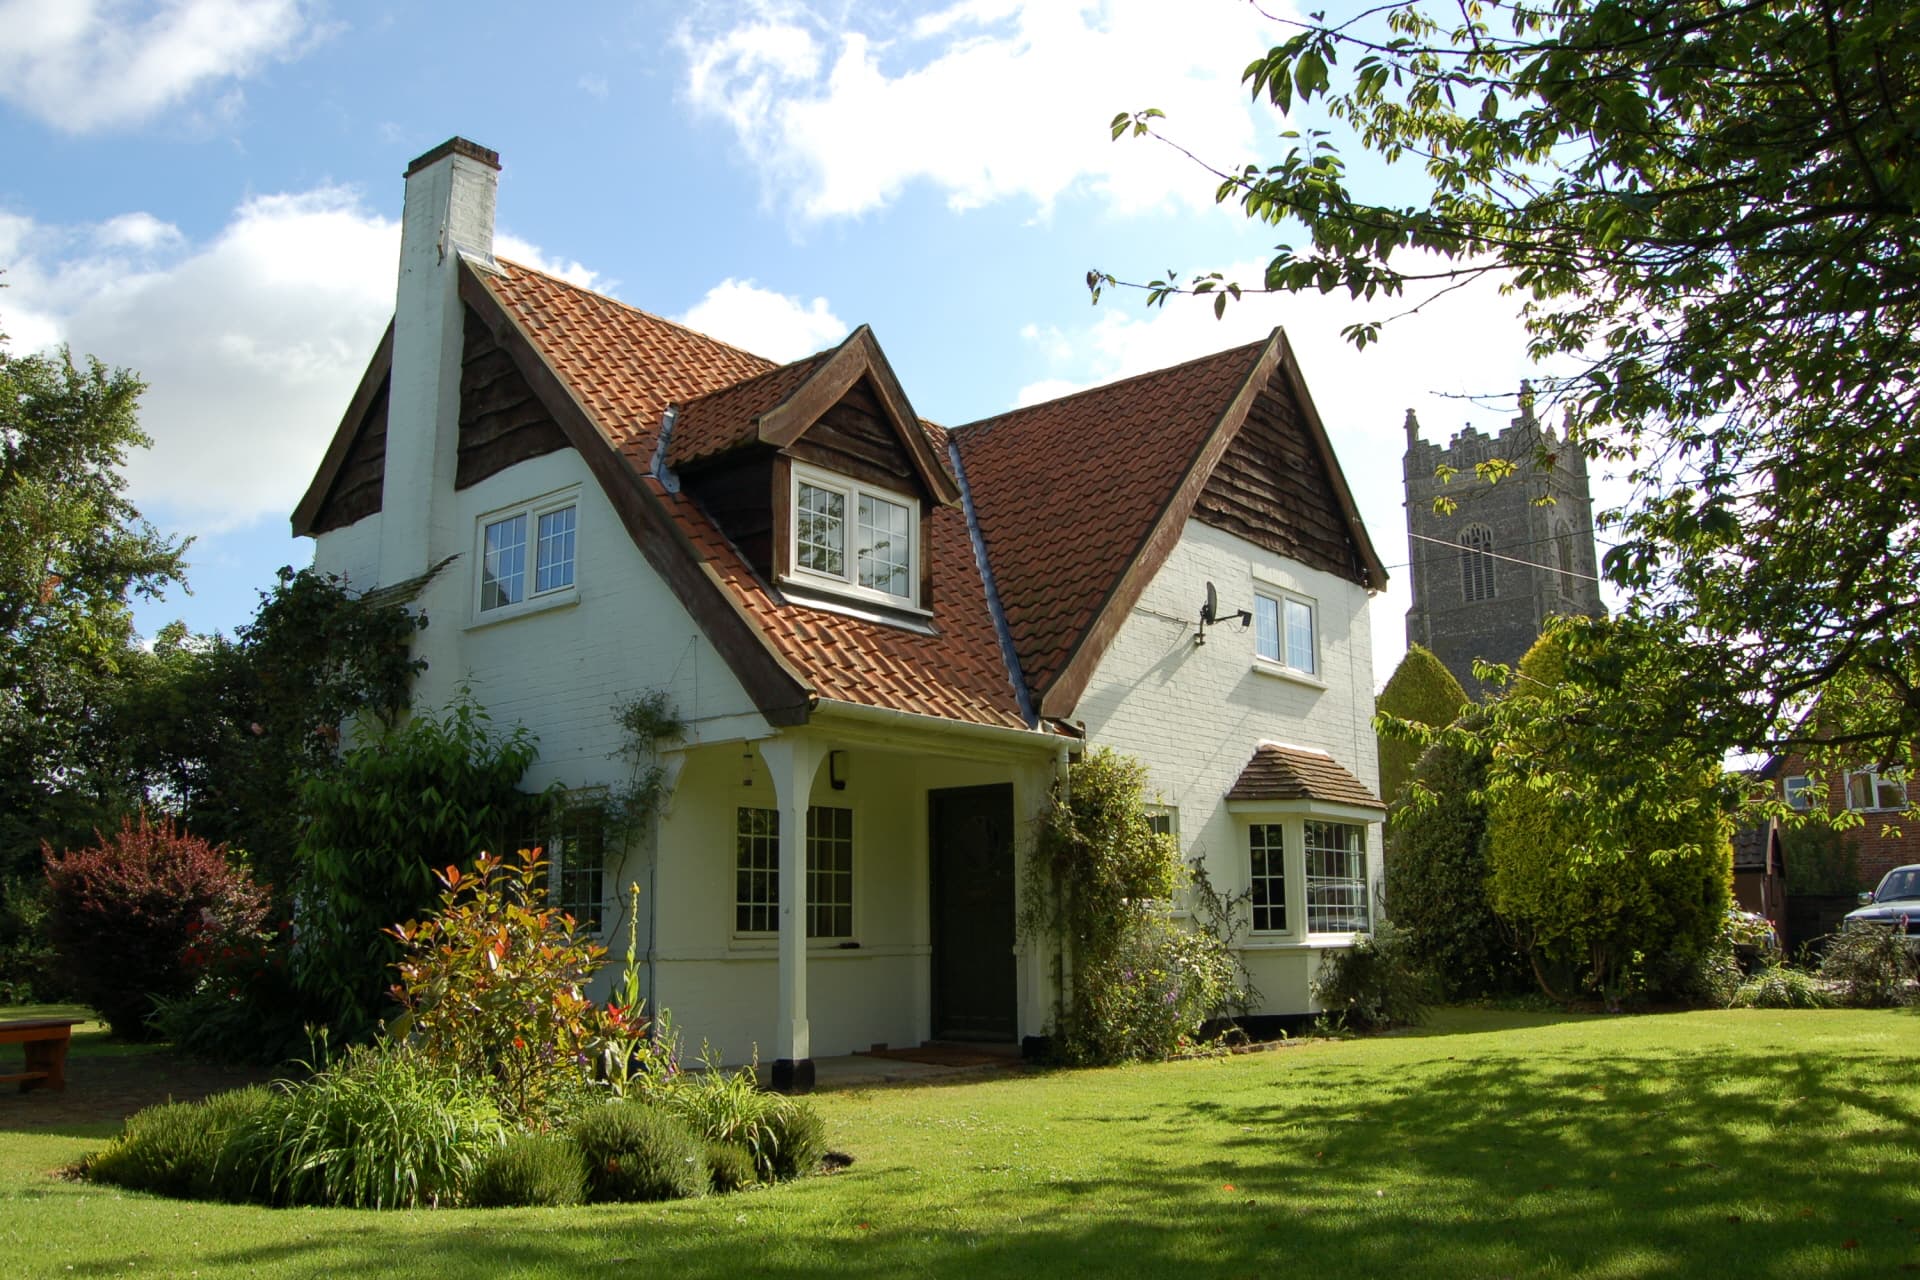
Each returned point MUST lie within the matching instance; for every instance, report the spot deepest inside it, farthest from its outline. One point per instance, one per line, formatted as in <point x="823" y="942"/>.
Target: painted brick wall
<point x="1194" y="713"/>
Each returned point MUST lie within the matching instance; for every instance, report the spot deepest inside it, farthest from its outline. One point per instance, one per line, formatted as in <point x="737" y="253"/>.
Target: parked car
<point x="1894" y="905"/>
<point x="1756" y="943"/>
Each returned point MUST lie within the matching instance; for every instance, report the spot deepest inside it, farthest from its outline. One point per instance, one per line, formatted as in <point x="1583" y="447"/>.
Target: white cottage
<point x="885" y="637"/>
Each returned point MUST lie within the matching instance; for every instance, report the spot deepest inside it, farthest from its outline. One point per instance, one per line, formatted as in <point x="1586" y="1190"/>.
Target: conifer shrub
<point x="1421" y="691"/>
<point x="540" y="1169"/>
<point x="639" y="1151"/>
<point x="123" y="913"/>
<point x="1436" y="875"/>
<point x="1616" y="890"/>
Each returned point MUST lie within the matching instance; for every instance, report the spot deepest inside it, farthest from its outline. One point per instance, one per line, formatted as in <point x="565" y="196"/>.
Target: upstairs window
<point x="526" y="554"/>
<point x="1476" y="563"/>
<point x="1870" y="791"/>
<point x="852" y="537"/>
<point x="1797" y="789"/>
<point x="1283" y="632"/>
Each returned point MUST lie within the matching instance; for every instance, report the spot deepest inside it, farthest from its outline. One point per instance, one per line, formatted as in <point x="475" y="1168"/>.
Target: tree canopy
<point x="73" y="551"/>
<point x="1707" y="215"/>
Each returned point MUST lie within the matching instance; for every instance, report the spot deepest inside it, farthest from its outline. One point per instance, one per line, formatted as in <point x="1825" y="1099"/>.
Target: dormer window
<point x="855" y="538"/>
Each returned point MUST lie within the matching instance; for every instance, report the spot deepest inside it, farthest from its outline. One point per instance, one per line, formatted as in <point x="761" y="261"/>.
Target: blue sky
<point x="208" y="192"/>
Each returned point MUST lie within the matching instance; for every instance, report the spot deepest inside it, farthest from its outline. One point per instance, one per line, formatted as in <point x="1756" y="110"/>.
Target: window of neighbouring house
<point x="1797" y="791"/>
<point x="1266" y="844"/>
<point x="1336" y="877"/>
<point x="1476" y="562"/>
<point x="829" y="877"/>
<point x="854" y="537"/>
<point x="575" y="849"/>
<point x="1869" y="790"/>
<point x="1283" y="632"/>
<point x="526" y="554"/>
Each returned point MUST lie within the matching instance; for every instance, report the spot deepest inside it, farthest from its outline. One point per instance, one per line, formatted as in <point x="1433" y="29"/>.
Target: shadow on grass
<point x="1705" y="1162"/>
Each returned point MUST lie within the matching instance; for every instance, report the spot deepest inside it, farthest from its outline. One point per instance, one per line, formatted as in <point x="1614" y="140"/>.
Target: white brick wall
<point x="1193" y="713"/>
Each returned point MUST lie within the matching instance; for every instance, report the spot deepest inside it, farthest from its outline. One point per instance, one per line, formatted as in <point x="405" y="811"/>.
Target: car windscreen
<point x="1904" y="883"/>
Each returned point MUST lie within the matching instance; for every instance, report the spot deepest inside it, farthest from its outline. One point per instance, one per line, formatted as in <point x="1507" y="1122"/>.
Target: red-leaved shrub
<point x="124" y="911"/>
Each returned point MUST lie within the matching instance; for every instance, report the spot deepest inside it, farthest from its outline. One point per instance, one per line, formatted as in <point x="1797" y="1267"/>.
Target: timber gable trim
<point x="311" y="510"/>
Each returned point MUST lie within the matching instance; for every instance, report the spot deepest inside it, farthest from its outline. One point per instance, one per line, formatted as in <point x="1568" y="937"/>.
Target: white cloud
<point x="250" y="344"/>
<point x="514" y="249"/>
<point x="1466" y="345"/>
<point x="83" y="65"/>
<point x="985" y="100"/>
<point x="774" y="325"/>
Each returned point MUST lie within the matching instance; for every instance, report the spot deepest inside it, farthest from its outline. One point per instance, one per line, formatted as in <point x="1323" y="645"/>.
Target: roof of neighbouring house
<point x="1757" y="848"/>
<point x="1278" y="772"/>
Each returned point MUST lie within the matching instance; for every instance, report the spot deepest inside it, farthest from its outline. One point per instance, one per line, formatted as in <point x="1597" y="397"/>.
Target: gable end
<point x="1273" y="489"/>
<point x="357" y="487"/>
<point x="853" y="437"/>
<point x="501" y="420"/>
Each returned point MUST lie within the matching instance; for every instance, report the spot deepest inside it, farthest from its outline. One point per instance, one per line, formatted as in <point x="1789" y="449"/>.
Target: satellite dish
<point x="1211" y="609"/>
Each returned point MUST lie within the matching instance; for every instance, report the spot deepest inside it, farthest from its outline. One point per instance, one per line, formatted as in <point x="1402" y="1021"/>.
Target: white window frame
<point x="1797" y="790"/>
<point x="1331" y="893"/>
<point x="847" y="583"/>
<point x="1270" y="828"/>
<point x="531" y="600"/>
<point x="769" y="876"/>
<point x="1876" y="787"/>
<point x="1283" y="656"/>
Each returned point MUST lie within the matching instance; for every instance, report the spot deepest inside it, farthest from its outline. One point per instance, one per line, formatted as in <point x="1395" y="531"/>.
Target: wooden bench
<point x="46" y="1041"/>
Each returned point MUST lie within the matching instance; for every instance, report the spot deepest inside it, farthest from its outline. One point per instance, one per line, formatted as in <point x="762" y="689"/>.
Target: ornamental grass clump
<point x="383" y="1128"/>
<point x="639" y="1151"/>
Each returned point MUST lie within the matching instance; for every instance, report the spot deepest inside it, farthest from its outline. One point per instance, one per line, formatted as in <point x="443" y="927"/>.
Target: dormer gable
<point x="823" y="476"/>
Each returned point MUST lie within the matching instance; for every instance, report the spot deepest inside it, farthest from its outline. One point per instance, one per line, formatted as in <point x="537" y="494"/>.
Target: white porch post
<point x="792" y="762"/>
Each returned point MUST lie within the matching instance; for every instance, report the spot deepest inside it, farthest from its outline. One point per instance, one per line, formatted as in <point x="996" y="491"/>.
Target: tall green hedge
<point x="1423" y="691"/>
<point x="1436" y="876"/>
<point x="1609" y="897"/>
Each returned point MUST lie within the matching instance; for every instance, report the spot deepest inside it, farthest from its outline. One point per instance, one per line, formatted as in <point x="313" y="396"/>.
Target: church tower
<point x="1487" y="575"/>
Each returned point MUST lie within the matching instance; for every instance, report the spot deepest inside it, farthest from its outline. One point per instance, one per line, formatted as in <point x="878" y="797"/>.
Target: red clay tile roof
<point x="1067" y="491"/>
<point x="724" y="419"/>
<point x="1279" y="772"/>
<point x="626" y="367"/>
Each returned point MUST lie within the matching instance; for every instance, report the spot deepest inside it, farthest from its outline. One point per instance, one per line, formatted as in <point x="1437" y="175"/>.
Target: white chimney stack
<point x="449" y="212"/>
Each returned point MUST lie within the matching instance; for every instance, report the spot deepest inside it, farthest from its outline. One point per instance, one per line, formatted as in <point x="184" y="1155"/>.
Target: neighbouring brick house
<point x="886" y="638"/>
<point x="1884" y="839"/>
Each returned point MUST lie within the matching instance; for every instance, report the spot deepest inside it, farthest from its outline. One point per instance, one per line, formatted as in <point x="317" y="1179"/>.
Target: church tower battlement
<point x="1487" y="575"/>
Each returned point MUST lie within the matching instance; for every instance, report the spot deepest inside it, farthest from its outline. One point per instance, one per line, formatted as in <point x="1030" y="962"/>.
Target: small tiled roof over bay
<point x="1279" y="772"/>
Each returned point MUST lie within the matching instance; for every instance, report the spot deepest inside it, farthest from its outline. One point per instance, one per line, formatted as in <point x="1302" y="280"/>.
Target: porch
<point x="896" y="926"/>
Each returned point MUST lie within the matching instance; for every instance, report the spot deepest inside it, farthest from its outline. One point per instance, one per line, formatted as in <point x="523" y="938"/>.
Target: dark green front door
<point x="974" y="983"/>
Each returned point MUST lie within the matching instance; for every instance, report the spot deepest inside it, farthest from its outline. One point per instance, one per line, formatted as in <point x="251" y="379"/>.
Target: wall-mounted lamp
<point x="837" y="770"/>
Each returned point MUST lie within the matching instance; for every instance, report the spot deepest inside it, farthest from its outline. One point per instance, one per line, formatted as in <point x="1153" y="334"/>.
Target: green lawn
<point x="1740" y="1143"/>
